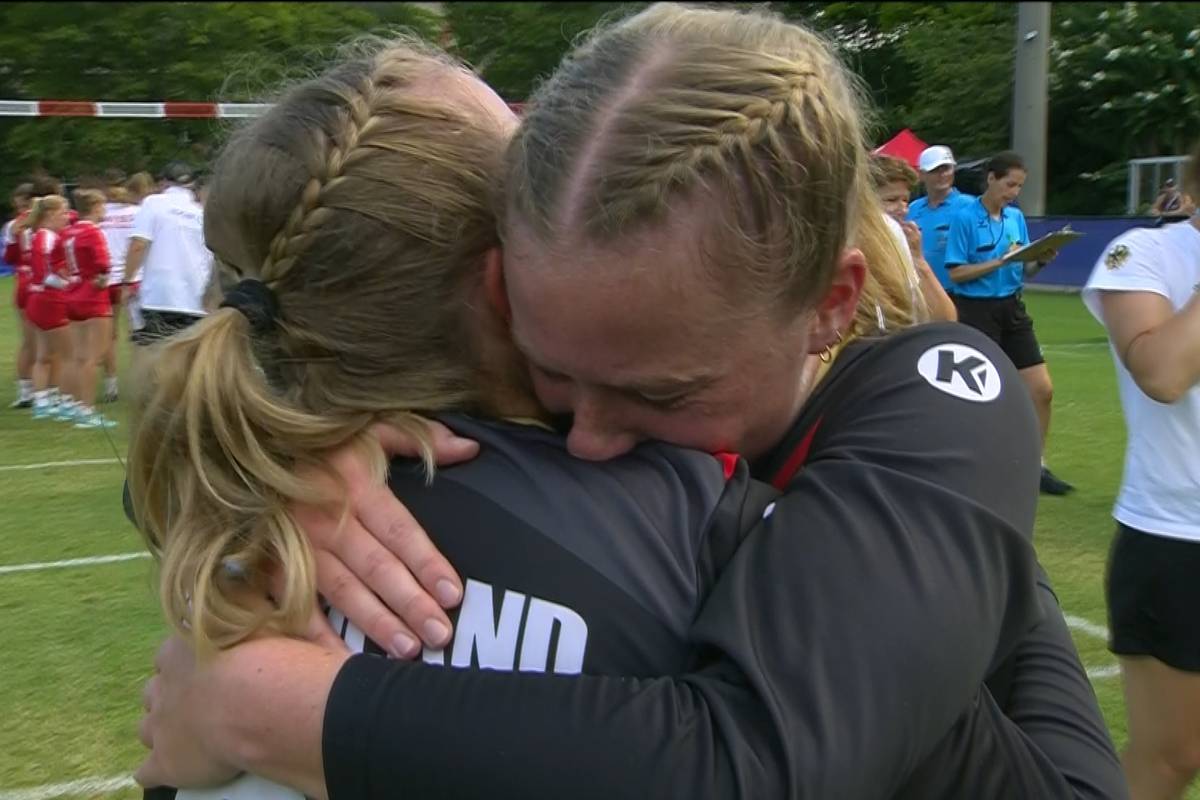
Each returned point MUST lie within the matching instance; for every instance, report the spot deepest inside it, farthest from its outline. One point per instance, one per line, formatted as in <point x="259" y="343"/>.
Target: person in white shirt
<point x="1145" y="289"/>
<point x="167" y="246"/>
<point x="119" y="214"/>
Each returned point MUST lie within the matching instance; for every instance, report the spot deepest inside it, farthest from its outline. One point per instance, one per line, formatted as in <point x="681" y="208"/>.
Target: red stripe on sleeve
<point x="795" y="461"/>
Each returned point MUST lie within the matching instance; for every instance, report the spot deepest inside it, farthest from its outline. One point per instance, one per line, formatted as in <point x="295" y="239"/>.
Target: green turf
<point x="77" y="643"/>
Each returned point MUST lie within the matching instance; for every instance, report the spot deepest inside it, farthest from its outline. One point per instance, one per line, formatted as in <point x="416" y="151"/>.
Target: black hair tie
<point x="257" y="302"/>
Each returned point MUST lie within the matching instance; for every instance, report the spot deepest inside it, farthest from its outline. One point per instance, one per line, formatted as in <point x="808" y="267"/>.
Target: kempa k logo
<point x="960" y="371"/>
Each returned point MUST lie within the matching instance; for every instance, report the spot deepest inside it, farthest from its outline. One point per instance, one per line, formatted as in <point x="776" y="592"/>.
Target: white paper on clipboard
<point x="1043" y="247"/>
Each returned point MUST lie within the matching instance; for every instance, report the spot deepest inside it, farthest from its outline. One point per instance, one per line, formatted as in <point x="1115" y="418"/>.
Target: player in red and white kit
<point x="47" y="305"/>
<point x="14" y="231"/>
<point x="88" y="305"/>
<point x="119" y="213"/>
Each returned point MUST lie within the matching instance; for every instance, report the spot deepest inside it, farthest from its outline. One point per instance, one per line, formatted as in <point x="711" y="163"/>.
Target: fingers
<point x="380" y="513"/>
<point x="149" y="774"/>
<point x="359" y="604"/>
<point x="448" y="447"/>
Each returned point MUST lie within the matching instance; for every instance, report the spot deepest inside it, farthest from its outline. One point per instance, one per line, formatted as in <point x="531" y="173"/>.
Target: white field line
<point x="86" y="786"/>
<point x="83" y="462"/>
<point x="7" y="569"/>
<point x="1093" y="673"/>
<point x="1084" y="626"/>
<point x="1074" y="346"/>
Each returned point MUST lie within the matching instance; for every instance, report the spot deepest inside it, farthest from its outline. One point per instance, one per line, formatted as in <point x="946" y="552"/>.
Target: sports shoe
<point x="1052" y="484"/>
<point x="64" y="413"/>
<point x="110" y="397"/>
<point x="21" y="403"/>
<point x="45" y="412"/>
<point x="95" y="420"/>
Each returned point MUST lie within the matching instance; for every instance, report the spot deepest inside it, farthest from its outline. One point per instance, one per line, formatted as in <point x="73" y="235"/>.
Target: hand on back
<point x="379" y="567"/>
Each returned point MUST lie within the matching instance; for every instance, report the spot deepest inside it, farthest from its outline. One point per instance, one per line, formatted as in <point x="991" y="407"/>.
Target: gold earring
<point x="826" y="355"/>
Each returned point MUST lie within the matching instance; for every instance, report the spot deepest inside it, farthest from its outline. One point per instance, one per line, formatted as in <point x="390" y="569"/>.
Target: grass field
<point x="76" y="642"/>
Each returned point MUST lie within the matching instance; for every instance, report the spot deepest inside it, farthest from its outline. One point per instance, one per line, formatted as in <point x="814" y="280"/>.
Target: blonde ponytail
<point x="364" y="207"/>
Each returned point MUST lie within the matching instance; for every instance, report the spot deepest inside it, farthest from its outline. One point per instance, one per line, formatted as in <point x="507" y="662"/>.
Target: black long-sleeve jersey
<point x="569" y="566"/>
<point x="839" y="654"/>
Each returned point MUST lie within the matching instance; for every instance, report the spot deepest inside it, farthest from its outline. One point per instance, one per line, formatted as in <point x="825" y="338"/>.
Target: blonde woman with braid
<point x="706" y="291"/>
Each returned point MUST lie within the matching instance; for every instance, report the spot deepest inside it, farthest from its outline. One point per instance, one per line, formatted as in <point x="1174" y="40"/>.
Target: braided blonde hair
<point x="366" y="207"/>
<point x="679" y="102"/>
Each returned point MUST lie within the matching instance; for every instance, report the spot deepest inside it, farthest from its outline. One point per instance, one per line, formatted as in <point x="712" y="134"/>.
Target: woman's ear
<point x="493" y="284"/>
<point x="835" y="313"/>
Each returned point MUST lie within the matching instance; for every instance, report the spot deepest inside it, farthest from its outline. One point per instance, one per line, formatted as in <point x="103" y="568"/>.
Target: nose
<point x="594" y="437"/>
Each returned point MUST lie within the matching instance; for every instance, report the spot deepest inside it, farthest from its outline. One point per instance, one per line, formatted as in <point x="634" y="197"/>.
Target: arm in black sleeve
<point x="1051" y="699"/>
<point x="1038" y="727"/>
<point x="843" y="641"/>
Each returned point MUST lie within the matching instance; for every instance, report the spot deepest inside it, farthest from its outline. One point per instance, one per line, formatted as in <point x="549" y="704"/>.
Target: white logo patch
<point x="961" y="371"/>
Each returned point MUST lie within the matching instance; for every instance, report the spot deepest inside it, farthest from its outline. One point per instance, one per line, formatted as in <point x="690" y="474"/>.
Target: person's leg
<point x="1020" y="343"/>
<point x="73" y="363"/>
<point x="1162" y="705"/>
<point x="92" y="348"/>
<point x="99" y="336"/>
<point x="26" y="358"/>
<point x="1152" y="594"/>
<point x="1041" y="391"/>
<point x="116" y="296"/>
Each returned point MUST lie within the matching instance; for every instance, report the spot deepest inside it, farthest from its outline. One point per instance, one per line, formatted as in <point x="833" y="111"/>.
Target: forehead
<point x="643" y="311"/>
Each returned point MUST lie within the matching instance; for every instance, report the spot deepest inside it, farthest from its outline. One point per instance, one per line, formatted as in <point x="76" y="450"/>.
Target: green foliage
<point x="231" y="52"/>
<point x="515" y="45"/>
<point x="1123" y="80"/>
<point x="1124" y="84"/>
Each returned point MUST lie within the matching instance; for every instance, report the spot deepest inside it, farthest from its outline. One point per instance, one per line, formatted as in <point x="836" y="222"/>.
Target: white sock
<point x="41" y="398"/>
<point x="25" y="388"/>
<point x="110" y="384"/>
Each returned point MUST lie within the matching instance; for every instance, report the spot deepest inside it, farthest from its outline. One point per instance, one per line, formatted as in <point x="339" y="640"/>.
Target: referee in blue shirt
<point x="934" y="212"/>
<point x="987" y="289"/>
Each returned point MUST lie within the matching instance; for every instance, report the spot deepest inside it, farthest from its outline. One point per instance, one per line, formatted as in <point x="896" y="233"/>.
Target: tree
<point x="158" y="51"/>
<point x="1124" y="85"/>
<point x="513" y="46"/>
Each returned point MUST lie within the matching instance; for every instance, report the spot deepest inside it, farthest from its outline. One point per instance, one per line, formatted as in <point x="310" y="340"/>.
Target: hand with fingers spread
<point x="380" y="568"/>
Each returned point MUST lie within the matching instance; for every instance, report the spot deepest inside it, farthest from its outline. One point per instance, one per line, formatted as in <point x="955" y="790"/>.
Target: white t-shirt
<point x="116" y="227"/>
<point x="177" y="264"/>
<point x="1160" y="492"/>
<point x="914" y="280"/>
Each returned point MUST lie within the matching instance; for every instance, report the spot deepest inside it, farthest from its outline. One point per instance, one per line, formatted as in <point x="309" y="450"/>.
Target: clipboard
<point x="1050" y="243"/>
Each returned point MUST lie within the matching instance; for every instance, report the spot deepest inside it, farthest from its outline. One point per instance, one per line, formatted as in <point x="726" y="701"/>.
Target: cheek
<point x="555" y="396"/>
<point x="687" y="428"/>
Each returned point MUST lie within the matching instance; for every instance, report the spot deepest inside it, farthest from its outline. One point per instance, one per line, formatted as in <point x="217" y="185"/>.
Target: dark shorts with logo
<point x="161" y="324"/>
<point x="1153" y="597"/>
<point x="1007" y="323"/>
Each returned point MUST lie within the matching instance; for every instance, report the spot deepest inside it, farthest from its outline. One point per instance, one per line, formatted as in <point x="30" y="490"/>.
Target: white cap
<point x="934" y="157"/>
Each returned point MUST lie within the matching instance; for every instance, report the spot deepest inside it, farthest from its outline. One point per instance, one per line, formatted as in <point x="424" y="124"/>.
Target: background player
<point x="987" y="289"/>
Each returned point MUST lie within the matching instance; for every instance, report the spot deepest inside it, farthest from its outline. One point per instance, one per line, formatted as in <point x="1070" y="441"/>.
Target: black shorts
<point x="1153" y="593"/>
<point x="1007" y="323"/>
<point x="161" y="324"/>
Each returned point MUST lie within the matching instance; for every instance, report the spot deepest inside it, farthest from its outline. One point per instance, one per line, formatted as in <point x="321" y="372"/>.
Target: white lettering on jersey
<point x="961" y="372"/>
<point x="539" y="627"/>
<point x="494" y="642"/>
